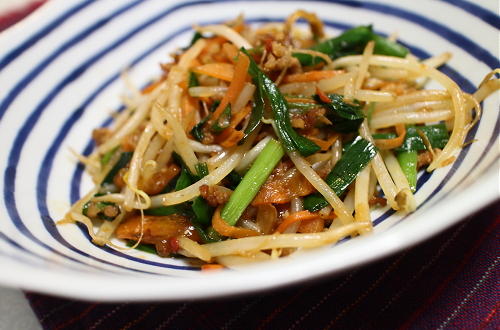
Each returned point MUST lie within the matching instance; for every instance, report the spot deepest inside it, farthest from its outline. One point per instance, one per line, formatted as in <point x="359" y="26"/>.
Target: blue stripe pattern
<point x="478" y="11"/>
<point x="46" y="167"/>
<point x="42" y="33"/>
<point x="79" y="37"/>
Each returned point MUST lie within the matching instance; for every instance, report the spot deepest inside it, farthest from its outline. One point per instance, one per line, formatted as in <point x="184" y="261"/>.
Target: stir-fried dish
<point x="259" y="141"/>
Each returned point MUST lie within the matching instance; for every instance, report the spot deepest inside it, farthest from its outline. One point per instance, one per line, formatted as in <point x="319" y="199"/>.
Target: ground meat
<point x="215" y="195"/>
<point x="377" y="201"/>
<point x="92" y="210"/>
<point x="280" y="58"/>
<point x="309" y="119"/>
<point x="424" y="159"/>
<point x="100" y="135"/>
<point x="111" y="211"/>
<point x="159" y="180"/>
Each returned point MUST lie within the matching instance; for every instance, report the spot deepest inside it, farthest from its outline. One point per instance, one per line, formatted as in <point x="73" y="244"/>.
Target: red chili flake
<point x="174" y="244"/>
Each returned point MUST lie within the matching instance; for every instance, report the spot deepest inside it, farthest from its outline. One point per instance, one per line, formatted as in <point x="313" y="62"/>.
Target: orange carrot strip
<point x="322" y="96"/>
<point x="188" y="105"/>
<point x="237" y="84"/>
<point x="386" y="144"/>
<point x="229" y="137"/>
<point x="231" y="51"/>
<point x="239" y="27"/>
<point x="311" y="76"/>
<point x="239" y="116"/>
<point x="211" y="267"/>
<point x="324" y="145"/>
<point x="151" y="87"/>
<point x="224" y="229"/>
<point x="223" y="71"/>
<point x="294" y="217"/>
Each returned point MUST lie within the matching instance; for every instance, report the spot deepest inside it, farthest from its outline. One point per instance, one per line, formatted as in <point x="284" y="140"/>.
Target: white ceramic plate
<point x="59" y="78"/>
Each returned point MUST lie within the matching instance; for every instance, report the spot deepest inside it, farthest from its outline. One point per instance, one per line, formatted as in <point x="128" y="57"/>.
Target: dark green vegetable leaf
<point x="181" y="209"/>
<point x="345" y="117"/>
<point x="193" y="80"/>
<point x="197" y="130"/>
<point x="257" y="110"/>
<point x="353" y="161"/>
<point x="184" y="179"/>
<point x="125" y="157"/>
<point x="437" y="134"/>
<point x="288" y="136"/>
<point x="408" y="161"/>
<point x="202" y="212"/>
<point x="233" y="180"/>
<point x="213" y="236"/>
<point x="197" y="35"/>
<point x="352" y="42"/>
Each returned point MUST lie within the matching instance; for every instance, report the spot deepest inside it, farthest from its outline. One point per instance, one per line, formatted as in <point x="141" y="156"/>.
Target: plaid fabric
<point x="448" y="282"/>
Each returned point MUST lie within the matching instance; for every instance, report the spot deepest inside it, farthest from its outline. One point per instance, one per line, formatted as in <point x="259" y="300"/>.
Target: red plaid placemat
<point x="448" y="282"/>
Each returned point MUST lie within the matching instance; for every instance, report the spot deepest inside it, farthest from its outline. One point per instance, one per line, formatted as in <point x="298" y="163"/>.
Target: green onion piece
<point x="437" y="134"/>
<point x="180" y="209"/>
<point x="384" y="46"/>
<point x="202" y="212"/>
<point x="197" y="130"/>
<point x="149" y="248"/>
<point x="196" y="36"/>
<point x="290" y="139"/>
<point x="257" y="110"/>
<point x="212" y="235"/>
<point x="408" y="161"/>
<point x="184" y="179"/>
<point x="314" y="202"/>
<point x="193" y="80"/>
<point x="125" y="157"/>
<point x="345" y="117"/>
<point x="234" y="179"/>
<point x="352" y="42"/>
<point x="201" y="170"/>
<point x="252" y="181"/>
<point x="355" y="158"/>
<point x="107" y="156"/>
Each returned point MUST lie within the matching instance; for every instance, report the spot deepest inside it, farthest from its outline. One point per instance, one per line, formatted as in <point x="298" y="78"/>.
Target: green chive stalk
<point x="252" y="181"/>
<point x="408" y="162"/>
